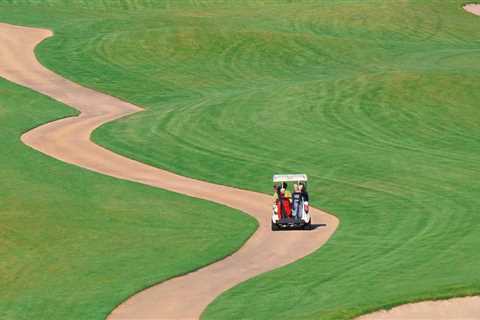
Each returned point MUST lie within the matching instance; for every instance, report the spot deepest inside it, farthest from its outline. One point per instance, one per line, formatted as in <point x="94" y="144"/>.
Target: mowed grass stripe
<point x="375" y="100"/>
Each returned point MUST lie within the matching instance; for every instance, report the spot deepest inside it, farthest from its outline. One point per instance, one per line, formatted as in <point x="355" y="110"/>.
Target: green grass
<point x="74" y="244"/>
<point x="376" y="100"/>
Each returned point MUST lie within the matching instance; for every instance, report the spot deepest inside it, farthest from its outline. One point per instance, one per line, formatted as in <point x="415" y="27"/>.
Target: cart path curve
<point x="69" y="140"/>
<point x="472" y="8"/>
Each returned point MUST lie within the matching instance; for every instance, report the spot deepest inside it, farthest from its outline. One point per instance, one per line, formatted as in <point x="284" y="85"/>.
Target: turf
<point x="74" y="244"/>
<point x="376" y="100"/>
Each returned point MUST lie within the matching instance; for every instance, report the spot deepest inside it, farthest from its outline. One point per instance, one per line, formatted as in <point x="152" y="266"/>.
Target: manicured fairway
<point x="376" y="100"/>
<point x="73" y="244"/>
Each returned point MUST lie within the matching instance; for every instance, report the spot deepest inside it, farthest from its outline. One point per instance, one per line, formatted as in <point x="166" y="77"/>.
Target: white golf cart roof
<point x="289" y="177"/>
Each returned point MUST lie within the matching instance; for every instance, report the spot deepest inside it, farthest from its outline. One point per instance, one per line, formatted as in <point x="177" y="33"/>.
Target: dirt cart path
<point x="69" y="140"/>
<point x="451" y="309"/>
<point x="472" y="8"/>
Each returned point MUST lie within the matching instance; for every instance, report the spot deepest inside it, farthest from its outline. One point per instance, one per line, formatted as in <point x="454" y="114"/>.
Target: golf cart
<point x="290" y="211"/>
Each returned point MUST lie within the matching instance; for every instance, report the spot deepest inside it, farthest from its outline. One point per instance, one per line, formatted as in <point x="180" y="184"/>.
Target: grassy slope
<point x="73" y="244"/>
<point x="381" y="97"/>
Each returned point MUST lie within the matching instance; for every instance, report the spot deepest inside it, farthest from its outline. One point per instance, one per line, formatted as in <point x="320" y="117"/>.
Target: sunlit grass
<point x="376" y="100"/>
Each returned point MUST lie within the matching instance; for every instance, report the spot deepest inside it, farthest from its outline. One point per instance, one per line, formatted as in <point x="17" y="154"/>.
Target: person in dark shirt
<point x="304" y="197"/>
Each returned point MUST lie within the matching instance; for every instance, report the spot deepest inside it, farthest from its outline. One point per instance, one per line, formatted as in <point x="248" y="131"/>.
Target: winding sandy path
<point x="68" y="139"/>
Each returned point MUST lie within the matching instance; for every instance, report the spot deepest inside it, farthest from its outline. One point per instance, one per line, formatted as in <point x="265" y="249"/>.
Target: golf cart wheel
<point x="308" y="226"/>
<point x="275" y="227"/>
